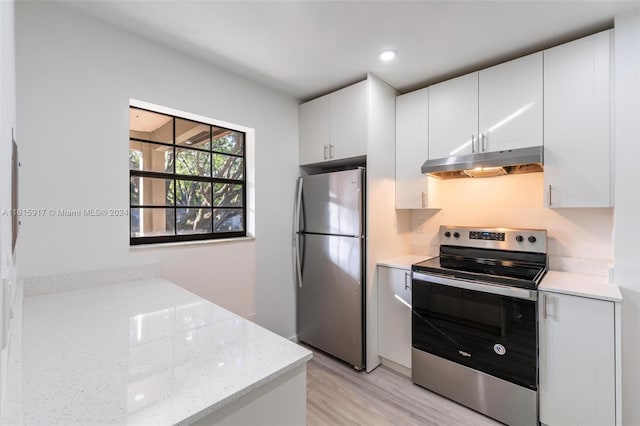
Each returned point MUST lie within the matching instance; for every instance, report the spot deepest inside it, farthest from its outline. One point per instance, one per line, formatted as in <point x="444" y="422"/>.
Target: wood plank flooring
<point x="339" y="395"/>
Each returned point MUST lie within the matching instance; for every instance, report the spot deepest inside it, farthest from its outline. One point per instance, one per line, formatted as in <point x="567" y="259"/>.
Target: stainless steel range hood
<point x="486" y="164"/>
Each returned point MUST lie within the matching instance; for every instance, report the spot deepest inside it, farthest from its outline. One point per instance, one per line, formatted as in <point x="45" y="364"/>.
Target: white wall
<point x="626" y="252"/>
<point x="7" y="123"/>
<point x="75" y="78"/>
<point x="578" y="239"/>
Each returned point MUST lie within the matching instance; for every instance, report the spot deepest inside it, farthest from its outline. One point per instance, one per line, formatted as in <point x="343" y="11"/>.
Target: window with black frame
<point x="186" y="179"/>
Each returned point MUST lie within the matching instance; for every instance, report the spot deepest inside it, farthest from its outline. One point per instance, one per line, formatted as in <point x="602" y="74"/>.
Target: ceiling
<point x="308" y="48"/>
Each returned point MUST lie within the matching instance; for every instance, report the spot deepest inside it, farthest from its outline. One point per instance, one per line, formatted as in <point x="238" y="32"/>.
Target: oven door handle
<point x="518" y="293"/>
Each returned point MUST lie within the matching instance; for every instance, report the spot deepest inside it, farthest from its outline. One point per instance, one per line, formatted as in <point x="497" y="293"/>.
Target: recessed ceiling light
<point x="388" y="55"/>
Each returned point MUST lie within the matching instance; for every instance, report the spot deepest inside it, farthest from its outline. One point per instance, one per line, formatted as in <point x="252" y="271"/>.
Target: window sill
<point x="191" y="243"/>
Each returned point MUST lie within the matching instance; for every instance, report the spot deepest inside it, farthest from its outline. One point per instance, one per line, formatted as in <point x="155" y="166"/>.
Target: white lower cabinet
<point x="577" y="361"/>
<point x="394" y="316"/>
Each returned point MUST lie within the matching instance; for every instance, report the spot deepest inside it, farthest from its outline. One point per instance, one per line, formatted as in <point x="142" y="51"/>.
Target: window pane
<point x="193" y="163"/>
<point x="150" y="157"/>
<point x="194" y="221"/>
<point x="228" y="167"/>
<point x="150" y="191"/>
<point x="152" y="222"/>
<point x="150" y="126"/>
<point x="228" y="141"/>
<point x="193" y="134"/>
<point x="227" y="195"/>
<point x="227" y="220"/>
<point x="193" y="193"/>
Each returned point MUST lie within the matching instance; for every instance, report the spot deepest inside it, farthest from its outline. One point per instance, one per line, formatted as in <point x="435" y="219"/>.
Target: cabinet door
<point x="576" y="123"/>
<point x="348" y="129"/>
<point x="394" y="317"/>
<point x="412" y="149"/>
<point x="510" y="104"/>
<point x="577" y="363"/>
<point x="453" y="117"/>
<point x="313" y="135"/>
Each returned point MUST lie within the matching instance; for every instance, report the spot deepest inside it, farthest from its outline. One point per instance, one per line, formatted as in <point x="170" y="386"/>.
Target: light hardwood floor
<point x="339" y="395"/>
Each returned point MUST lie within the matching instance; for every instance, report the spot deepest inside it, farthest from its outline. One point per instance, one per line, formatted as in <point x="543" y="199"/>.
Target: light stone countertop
<point x="141" y="352"/>
<point x="583" y="285"/>
<point x="403" y="262"/>
<point x="571" y="283"/>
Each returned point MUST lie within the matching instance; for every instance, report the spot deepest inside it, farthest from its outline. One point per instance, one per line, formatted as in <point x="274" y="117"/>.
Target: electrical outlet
<point x="420" y="229"/>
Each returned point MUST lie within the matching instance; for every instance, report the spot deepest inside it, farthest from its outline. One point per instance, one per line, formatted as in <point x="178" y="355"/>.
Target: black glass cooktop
<point x="501" y="267"/>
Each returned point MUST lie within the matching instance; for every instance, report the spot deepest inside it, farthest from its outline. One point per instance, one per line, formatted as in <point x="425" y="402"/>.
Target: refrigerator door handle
<point x="360" y="231"/>
<point x="360" y="203"/>
<point x="296" y="237"/>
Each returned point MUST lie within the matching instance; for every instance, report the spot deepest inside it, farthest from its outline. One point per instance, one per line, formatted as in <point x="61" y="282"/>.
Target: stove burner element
<point x="499" y="256"/>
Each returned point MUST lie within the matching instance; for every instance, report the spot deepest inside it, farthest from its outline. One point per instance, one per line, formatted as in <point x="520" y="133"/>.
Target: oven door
<point x="488" y="328"/>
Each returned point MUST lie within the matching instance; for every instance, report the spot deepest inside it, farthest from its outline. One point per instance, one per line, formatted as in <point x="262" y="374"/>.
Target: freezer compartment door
<point x="332" y="203"/>
<point x="330" y="301"/>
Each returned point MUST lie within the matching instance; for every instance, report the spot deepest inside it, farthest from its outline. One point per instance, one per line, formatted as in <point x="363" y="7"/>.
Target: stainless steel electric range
<point x="474" y="329"/>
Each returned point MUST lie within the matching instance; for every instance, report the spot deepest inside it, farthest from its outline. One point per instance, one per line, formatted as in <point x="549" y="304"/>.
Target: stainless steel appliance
<point x="474" y="329"/>
<point x="329" y="262"/>
<point x="486" y="164"/>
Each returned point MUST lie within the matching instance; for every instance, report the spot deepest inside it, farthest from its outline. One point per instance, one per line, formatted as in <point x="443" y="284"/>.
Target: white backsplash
<point x="57" y="283"/>
<point x="578" y="240"/>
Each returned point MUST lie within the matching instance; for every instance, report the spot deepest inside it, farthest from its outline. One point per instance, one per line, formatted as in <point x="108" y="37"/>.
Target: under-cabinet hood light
<point x="485" y="172"/>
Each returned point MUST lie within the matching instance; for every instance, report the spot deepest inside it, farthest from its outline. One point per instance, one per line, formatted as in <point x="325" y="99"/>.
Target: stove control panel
<point x="486" y="235"/>
<point x="528" y="240"/>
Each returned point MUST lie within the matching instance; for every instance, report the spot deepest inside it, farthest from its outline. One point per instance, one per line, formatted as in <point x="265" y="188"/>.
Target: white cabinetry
<point x="352" y="126"/>
<point x="334" y="126"/>
<point x="394" y="316"/>
<point x="495" y="109"/>
<point x="453" y="116"/>
<point x="577" y="360"/>
<point x="577" y="123"/>
<point x="413" y="189"/>
<point x="348" y="121"/>
<point x="510" y="104"/>
<point x="313" y="130"/>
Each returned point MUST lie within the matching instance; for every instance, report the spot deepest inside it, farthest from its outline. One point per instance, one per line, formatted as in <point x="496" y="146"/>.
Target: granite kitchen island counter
<point x="150" y="352"/>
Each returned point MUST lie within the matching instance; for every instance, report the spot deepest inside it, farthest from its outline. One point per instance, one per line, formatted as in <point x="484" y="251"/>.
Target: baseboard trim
<point x="400" y="369"/>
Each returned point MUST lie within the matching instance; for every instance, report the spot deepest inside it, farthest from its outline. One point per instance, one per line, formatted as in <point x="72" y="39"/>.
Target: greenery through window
<point x="186" y="179"/>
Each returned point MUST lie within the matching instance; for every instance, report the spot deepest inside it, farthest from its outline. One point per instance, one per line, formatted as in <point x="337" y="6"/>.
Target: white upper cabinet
<point x="334" y="126"/>
<point x="412" y="149"/>
<point x="348" y="121"/>
<point x="494" y="109"/>
<point x="453" y="117"/>
<point x="510" y="104"/>
<point x="314" y="130"/>
<point x="576" y="123"/>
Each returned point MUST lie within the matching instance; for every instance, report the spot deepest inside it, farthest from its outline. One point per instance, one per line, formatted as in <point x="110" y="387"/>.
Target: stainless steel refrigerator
<point x="329" y="259"/>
